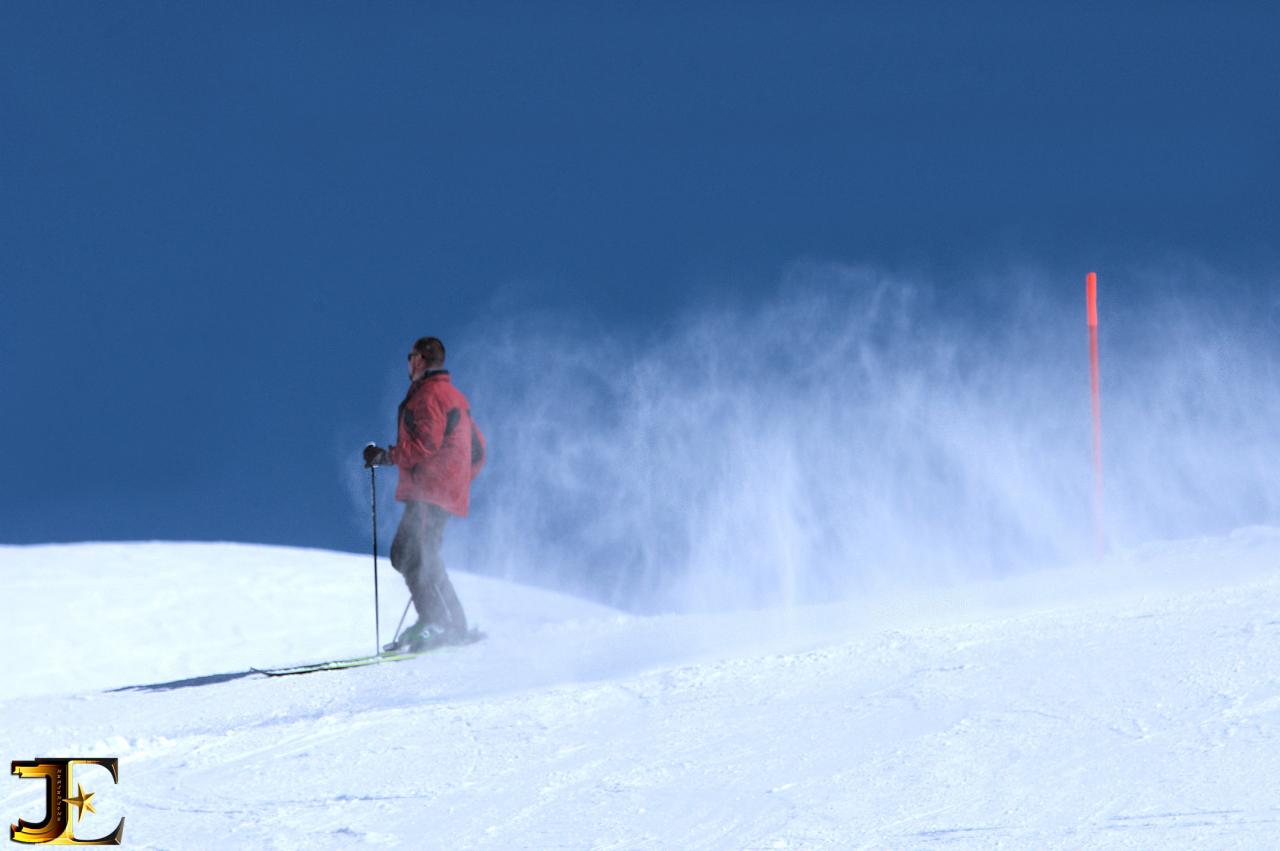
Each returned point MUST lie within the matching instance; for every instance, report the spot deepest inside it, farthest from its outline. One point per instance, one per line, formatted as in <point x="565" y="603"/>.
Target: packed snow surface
<point x="1132" y="703"/>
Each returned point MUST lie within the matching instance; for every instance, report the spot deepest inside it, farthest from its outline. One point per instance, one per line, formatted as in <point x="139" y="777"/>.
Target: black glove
<point x="375" y="457"/>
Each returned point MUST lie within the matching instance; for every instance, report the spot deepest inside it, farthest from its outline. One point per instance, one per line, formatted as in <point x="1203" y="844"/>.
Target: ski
<point x="360" y="661"/>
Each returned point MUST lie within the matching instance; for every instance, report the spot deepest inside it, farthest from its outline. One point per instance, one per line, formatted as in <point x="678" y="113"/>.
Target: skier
<point x="439" y="450"/>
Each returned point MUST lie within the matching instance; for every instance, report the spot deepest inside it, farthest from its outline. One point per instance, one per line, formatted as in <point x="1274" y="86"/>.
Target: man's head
<point x="427" y="353"/>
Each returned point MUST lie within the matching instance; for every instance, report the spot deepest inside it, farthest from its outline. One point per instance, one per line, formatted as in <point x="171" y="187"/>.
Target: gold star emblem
<point x="81" y="802"/>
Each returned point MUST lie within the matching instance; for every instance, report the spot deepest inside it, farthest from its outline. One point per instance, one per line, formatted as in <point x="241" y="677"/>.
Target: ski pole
<point x="377" y="625"/>
<point x="403" y="615"/>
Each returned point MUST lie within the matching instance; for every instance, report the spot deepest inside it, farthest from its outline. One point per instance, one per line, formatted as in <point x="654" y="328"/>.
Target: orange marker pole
<point x="1091" y="299"/>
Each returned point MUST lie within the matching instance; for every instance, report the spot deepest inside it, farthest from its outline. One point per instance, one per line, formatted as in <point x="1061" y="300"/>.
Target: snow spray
<point x="858" y="431"/>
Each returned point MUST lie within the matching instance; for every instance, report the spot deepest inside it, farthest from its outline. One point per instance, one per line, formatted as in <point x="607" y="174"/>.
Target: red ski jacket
<point x="439" y="449"/>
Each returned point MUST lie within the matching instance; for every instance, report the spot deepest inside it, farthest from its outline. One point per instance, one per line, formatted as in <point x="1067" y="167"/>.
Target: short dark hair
<point x="431" y="349"/>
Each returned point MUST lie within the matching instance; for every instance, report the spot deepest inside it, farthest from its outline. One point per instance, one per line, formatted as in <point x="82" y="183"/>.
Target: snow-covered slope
<point x="1135" y="703"/>
<point x="101" y="615"/>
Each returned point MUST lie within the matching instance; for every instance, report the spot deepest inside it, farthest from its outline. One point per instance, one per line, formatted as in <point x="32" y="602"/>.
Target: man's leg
<point x="433" y="577"/>
<point x="407" y="554"/>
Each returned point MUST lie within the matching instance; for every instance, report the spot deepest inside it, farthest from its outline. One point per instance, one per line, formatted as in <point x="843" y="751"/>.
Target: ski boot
<point x="405" y="642"/>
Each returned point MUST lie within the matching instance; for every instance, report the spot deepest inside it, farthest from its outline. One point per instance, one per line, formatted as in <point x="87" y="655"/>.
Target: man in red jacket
<point x="439" y="450"/>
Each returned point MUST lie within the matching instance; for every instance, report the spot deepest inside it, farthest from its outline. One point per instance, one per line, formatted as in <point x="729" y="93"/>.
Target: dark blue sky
<point x="222" y="224"/>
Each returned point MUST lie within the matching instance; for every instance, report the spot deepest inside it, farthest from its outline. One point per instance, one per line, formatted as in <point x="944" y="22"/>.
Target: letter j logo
<point x="56" y="829"/>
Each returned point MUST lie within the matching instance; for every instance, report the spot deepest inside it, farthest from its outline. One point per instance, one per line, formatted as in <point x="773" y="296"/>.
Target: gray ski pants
<point x="415" y="553"/>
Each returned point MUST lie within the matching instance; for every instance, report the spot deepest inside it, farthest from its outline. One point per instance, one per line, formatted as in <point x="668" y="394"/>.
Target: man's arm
<point x="424" y="426"/>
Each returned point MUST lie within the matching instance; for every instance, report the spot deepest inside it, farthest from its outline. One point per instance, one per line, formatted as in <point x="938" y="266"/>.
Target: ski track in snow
<point x="1135" y="704"/>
